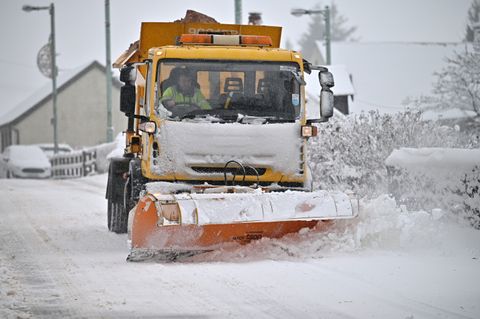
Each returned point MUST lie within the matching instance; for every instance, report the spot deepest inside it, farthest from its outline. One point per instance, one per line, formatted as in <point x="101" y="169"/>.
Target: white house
<point x="386" y="74"/>
<point x="81" y="111"/>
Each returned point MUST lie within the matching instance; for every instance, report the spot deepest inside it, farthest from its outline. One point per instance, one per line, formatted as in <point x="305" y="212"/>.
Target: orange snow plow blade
<point x="195" y="223"/>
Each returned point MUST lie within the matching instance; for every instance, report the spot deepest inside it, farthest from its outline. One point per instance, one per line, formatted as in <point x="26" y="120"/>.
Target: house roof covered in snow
<point x="64" y="80"/>
<point x="385" y="74"/>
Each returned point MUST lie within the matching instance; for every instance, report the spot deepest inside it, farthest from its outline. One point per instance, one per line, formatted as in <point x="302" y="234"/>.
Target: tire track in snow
<point x="39" y="266"/>
<point x="63" y="252"/>
<point x="387" y="295"/>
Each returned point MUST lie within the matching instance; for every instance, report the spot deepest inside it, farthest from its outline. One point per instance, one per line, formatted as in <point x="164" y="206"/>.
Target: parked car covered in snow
<point x="24" y="161"/>
<point x="49" y="149"/>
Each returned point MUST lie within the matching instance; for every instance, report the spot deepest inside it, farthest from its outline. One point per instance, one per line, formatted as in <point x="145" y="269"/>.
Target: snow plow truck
<point x="223" y="158"/>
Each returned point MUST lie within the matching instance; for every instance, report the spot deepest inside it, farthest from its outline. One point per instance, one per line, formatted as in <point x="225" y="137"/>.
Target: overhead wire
<point x="380" y="105"/>
<point x="4" y="61"/>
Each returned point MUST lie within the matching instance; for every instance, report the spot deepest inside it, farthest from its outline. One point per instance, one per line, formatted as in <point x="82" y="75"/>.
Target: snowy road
<point x="57" y="260"/>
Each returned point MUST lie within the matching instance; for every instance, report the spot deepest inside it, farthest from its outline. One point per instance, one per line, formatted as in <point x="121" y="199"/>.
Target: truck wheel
<point x="135" y="184"/>
<point x="117" y="216"/>
<point x="118" y="219"/>
<point x="109" y="213"/>
<point x="128" y="200"/>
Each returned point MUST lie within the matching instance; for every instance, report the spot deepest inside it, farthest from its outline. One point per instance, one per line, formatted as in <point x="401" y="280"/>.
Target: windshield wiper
<point x="196" y="113"/>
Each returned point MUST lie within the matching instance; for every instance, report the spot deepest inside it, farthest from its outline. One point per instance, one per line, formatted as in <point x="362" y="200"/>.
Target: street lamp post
<point x="326" y="16"/>
<point x="238" y="11"/>
<point x="51" y="10"/>
<point x="108" y="72"/>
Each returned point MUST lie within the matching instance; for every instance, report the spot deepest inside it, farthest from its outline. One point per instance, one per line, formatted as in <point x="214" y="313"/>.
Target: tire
<point x="118" y="219"/>
<point x="109" y="213"/>
<point x="128" y="197"/>
<point x="117" y="215"/>
<point x="134" y="186"/>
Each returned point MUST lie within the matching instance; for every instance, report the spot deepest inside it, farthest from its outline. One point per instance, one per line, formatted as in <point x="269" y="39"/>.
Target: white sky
<point x="80" y="32"/>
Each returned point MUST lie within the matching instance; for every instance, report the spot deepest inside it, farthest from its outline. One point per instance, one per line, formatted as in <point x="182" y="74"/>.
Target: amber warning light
<point x="309" y="131"/>
<point x="216" y="39"/>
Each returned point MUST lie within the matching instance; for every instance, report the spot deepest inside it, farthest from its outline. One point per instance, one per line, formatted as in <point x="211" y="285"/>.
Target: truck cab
<point x="244" y="119"/>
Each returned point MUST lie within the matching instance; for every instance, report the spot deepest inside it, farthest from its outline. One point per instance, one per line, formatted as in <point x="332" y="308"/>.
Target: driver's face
<point x="185" y="83"/>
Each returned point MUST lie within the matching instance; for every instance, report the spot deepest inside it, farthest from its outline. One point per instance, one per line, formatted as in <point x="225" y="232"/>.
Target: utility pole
<point x="108" y="72"/>
<point x="54" y="80"/>
<point x="238" y="11"/>
<point x="326" y="18"/>
<point x="53" y="67"/>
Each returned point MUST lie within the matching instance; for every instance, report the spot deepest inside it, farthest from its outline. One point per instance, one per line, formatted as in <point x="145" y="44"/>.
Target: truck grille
<point x="232" y="170"/>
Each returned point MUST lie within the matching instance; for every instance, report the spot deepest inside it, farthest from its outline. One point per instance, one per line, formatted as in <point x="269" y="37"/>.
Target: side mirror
<point x="326" y="103"/>
<point x="128" y="74"/>
<point x="127" y="99"/>
<point x="326" y="79"/>
<point x="127" y="92"/>
<point x="326" y="95"/>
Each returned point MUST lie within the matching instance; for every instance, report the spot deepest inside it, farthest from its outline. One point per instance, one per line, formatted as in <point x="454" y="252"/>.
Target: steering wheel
<point x="179" y="110"/>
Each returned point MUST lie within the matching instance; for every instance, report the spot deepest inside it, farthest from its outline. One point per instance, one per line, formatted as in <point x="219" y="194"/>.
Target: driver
<point x="184" y="92"/>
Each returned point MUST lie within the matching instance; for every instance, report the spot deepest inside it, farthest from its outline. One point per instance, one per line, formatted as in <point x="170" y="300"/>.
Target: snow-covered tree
<point x="316" y="29"/>
<point x="457" y="85"/>
<point x="473" y="17"/>
<point x="350" y="153"/>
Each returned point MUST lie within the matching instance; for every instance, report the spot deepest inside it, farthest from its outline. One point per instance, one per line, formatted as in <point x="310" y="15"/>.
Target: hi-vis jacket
<point x="172" y="93"/>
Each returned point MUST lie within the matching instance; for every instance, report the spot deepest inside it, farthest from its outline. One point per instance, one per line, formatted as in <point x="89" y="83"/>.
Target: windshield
<point x="228" y="91"/>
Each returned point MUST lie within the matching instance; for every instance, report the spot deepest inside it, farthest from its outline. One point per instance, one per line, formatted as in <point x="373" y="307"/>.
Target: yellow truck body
<point x="245" y="132"/>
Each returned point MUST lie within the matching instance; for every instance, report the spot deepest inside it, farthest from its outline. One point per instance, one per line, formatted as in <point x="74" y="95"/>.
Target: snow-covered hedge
<point x="428" y="178"/>
<point x="350" y="152"/>
<point x="103" y="151"/>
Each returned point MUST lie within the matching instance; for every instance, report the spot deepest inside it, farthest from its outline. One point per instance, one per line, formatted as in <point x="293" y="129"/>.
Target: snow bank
<point x="119" y="147"/>
<point x="435" y="160"/>
<point x="430" y="178"/>
<point x="381" y="225"/>
<point x="103" y="151"/>
<point x="350" y="152"/>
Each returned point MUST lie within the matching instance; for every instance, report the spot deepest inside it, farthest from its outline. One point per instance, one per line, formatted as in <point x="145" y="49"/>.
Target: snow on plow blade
<point x="188" y="223"/>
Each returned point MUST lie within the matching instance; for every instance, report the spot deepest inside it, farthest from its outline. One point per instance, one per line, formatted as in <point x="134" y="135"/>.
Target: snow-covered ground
<point x="57" y="260"/>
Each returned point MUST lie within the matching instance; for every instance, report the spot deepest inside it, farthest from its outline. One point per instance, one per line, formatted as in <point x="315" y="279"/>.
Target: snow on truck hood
<point x="184" y="144"/>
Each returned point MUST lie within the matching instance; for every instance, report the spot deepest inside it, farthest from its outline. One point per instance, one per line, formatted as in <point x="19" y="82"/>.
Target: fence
<point x="80" y="163"/>
<point x="74" y="164"/>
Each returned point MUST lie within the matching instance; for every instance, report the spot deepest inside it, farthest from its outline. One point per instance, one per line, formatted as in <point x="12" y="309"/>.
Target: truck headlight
<point x="149" y="127"/>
